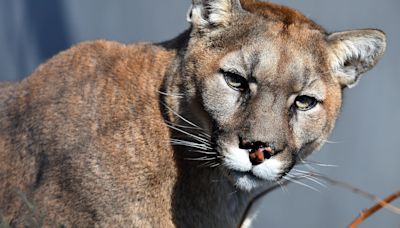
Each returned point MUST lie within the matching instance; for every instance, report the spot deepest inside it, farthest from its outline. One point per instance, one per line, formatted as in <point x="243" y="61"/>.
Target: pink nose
<point x="258" y="155"/>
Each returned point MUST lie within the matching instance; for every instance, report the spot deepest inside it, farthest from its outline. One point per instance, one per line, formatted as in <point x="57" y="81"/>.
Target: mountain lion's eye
<point x="235" y="81"/>
<point x="304" y="103"/>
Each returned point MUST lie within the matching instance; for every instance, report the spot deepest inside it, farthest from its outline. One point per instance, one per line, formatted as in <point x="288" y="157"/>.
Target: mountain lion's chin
<point x="247" y="174"/>
<point x="247" y="181"/>
<point x="258" y="176"/>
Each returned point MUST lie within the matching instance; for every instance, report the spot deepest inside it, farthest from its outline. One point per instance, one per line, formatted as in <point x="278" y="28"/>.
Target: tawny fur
<point x="85" y="141"/>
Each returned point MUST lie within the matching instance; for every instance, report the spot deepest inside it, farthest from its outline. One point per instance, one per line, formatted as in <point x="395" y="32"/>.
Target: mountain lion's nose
<point x="258" y="151"/>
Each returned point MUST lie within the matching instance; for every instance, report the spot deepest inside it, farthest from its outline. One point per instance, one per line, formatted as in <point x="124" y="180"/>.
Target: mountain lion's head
<point x="266" y="83"/>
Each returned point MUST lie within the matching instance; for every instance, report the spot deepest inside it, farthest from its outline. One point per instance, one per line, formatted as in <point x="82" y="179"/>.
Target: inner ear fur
<point x="354" y="52"/>
<point x="205" y="14"/>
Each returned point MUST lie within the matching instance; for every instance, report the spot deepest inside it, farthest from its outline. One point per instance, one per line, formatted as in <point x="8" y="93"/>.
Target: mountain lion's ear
<point x="352" y="53"/>
<point x="213" y="13"/>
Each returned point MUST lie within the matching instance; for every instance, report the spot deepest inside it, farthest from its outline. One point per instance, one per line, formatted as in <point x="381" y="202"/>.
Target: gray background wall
<point x="367" y="151"/>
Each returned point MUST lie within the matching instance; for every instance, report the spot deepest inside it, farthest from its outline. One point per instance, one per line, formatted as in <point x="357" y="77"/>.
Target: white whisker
<point x="179" y="95"/>
<point x="303" y="162"/>
<point x="201" y="159"/>
<point x="301" y="171"/>
<point x="315" y="180"/>
<point x="182" y="126"/>
<point x="311" y="168"/>
<point x="319" y="163"/>
<point x="181" y="117"/>
<point x="300" y="183"/>
<point x="283" y="187"/>
<point x="200" y="146"/>
<point x="331" y="142"/>
<point x="204" y="134"/>
<point x="206" y="152"/>
<point x="208" y="163"/>
<point x="215" y="165"/>
<point x="195" y="137"/>
<point x="310" y="177"/>
<point x="203" y="152"/>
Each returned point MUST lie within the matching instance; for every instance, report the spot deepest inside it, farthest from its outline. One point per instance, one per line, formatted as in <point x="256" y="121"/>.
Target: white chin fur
<point x="238" y="160"/>
<point x="246" y="182"/>
<point x="247" y="176"/>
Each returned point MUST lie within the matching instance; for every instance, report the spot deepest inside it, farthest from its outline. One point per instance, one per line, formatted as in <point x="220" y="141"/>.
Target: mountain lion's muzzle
<point x="258" y="151"/>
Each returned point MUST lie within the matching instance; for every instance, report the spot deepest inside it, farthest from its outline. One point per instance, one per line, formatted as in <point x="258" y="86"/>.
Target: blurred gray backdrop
<point x="366" y="149"/>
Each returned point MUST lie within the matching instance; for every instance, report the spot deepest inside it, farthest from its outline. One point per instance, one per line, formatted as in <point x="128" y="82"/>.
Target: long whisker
<point x="283" y="186"/>
<point x="208" y="163"/>
<point x="312" y="178"/>
<point x="181" y="117"/>
<point x="331" y="142"/>
<point x="318" y="163"/>
<point x="183" y="126"/>
<point x="206" y="152"/>
<point x="311" y="168"/>
<point x="190" y="144"/>
<point x="179" y="95"/>
<point x="300" y="183"/>
<point x="201" y="159"/>
<point x="301" y="171"/>
<point x="203" y="144"/>
<point x="197" y="147"/>
<point x="204" y="134"/>
<point x="215" y="165"/>
<point x="197" y="138"/>
<point x="315" y="180"/>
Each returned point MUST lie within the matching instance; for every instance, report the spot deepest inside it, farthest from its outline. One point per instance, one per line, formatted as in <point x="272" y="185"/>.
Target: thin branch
<point x="368" y="212"/>
<point x="381" y="203"/>
<point x="394" y="209"/>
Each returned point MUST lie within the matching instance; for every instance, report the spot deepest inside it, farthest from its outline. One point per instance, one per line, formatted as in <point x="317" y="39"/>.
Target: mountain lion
<point x="177" y="134"/>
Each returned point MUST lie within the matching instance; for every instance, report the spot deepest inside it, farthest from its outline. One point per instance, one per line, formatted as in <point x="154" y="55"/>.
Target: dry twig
<point x="365" y="214"/>
<point x="368" y="212"/>
<point x="393" y="209"/>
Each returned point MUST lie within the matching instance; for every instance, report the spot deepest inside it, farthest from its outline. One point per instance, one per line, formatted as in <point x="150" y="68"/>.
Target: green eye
<point x="305" y="103"/>
<point x="235" y="81"/>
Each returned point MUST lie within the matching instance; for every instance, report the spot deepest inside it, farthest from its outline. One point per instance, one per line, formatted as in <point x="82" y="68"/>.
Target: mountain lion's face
<point x="271" y="90"/>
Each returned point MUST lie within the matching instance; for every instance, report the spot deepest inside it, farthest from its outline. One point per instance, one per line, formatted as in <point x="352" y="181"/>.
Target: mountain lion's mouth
<point x="245" y="175"/>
